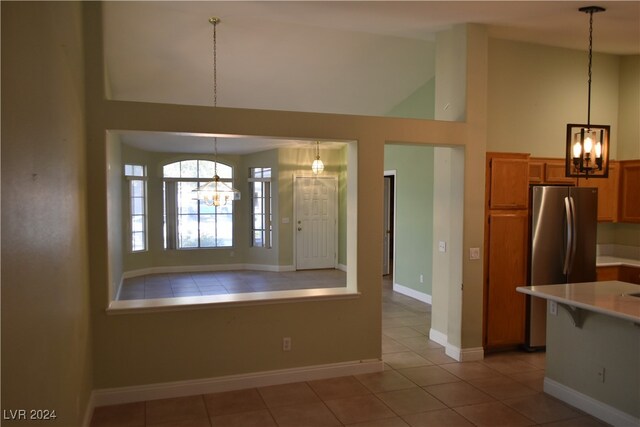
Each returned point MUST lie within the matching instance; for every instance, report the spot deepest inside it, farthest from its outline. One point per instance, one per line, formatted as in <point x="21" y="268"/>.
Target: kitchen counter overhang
<point x="612" y="298"/>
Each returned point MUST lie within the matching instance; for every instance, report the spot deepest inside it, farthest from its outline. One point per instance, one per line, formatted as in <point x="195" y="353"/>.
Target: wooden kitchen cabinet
<point x="629" y="191"/>
<point x="508" y="177"/>
<point x="507" y="254"/>
<point x="624" y="273"/>
<point x="608" y="189"/>
<point x="545" y="170"/>
<point x="506" y="231"/>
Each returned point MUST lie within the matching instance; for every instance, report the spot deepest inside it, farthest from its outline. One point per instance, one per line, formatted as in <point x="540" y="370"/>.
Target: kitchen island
<point x="593" y="347"/>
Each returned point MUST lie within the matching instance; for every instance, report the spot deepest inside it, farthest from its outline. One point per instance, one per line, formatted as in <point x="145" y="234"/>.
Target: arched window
<point x="189" y="223"/>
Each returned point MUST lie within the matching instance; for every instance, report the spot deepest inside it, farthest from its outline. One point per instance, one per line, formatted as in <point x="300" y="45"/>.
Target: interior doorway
<point x="316" y="213"/>
<point x="388" y="228"/>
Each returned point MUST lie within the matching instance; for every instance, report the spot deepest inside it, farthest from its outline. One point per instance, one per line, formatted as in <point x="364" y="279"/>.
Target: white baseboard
<point x="145" y="392"/>
<point x="591" y="406"/>
<point x="342" y="267"/>
<point x="209" y="267"/>
<point x="438" y="337"/>
<point x="464" y="354"/>
<point x="88" y="413"/>
<point x="420" y="296"/>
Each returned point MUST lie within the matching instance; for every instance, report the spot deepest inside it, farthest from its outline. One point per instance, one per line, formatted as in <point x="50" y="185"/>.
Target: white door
<point x="316" y="228"/>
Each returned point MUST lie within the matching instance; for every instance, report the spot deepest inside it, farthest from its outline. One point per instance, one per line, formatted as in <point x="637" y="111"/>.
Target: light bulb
<point x="588" y="144"/>
<point x="577" y="150"/>
<point x="598" y="149"/>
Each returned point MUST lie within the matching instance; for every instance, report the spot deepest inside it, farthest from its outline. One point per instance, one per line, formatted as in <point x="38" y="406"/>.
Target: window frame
<point x="266" y="213"/>
<point x="172" y="205"/>
<point x="134" y="174"/>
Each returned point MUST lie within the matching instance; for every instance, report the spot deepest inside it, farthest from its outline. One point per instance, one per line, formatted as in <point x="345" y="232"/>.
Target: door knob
<point x="299" y="228"/>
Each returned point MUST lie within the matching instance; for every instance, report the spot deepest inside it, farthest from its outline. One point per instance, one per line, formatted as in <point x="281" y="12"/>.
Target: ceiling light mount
<point x="214" y="20"/>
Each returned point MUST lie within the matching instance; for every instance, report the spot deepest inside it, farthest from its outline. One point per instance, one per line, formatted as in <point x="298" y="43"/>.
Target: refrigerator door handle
<point x="569" y="229"/>
<point x="574" y="239"/>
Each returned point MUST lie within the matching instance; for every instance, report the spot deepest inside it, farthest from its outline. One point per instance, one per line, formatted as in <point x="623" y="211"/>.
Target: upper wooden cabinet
<point x="543" y="170"/>
<point x="607" y="193"/>
<point x="629" y="191"/>
<point x="508" y="177"/>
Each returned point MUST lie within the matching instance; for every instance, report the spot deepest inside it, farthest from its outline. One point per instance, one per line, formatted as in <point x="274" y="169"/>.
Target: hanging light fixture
<point x="317" y="166"/>
<point x="587" y="154"/>
<point x="215" y="192"/>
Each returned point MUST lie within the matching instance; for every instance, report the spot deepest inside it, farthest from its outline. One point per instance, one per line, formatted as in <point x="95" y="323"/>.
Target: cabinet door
<point x="604" y="274"/>
<point x="630" y="191"/>
<point x="629" y="274"/>
<point x="509" y="183"/>
<point x="555" y="173"/>
<point x="507" y="258"/>
<point x="536" y="172"/>
<point x="608" y="189"/>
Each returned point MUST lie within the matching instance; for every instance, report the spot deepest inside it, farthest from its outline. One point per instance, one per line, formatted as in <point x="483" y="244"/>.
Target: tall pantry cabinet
<point x="506" y="235"/>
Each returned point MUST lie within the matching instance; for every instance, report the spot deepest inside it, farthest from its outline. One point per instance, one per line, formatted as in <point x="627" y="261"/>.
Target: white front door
<point x="316" y="217"/>
<point x="386" y="229"/>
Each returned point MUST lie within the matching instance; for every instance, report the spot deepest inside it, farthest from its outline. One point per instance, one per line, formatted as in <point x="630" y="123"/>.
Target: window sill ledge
<point x="227" y="300"/>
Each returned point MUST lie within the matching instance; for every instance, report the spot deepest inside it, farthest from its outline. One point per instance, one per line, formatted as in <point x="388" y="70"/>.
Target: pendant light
<point x="317" y="166"/>
<point x="587" y="148"/>
<point x="215" y="192"/>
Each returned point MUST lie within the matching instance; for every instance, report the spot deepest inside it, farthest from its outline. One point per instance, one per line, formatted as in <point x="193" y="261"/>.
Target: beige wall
<point x="46" y="339"/>
<point x="629" y="133"/>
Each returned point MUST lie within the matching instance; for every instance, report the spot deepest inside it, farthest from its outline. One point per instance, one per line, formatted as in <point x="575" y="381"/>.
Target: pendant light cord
<point x="590" y="59"/>
<point x="215" y="21"/>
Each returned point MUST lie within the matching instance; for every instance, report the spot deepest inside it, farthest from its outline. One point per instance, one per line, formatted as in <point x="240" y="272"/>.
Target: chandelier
<point x="587" y="148"/>
<point x="215" y="192"/>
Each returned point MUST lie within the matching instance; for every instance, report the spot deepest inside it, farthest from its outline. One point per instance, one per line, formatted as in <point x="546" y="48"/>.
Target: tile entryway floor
<point x="227" y="282"/>
<point x="420" y="386"/>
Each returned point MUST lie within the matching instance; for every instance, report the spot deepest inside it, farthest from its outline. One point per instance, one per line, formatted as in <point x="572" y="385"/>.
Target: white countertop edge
<point x="612" y="261"/>
<point x="228" y="300"/>
<point x="531" y="290"/>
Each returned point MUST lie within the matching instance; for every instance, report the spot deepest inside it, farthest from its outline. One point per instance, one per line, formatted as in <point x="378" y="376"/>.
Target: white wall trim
<point x="210" y="267"/>
<point x="420" y="296"/>
<point x="464" y="354"/>
<point x="438" y="337"/>
<point x="114" y="396"/>
<point x="342" y="267"/>
<point x="591" y="406"/>
<point x="88" y="413"/>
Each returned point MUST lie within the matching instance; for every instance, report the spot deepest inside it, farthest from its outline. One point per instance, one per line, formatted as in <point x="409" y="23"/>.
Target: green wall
<point x="46" y="330"/>
<point x="413" y="214"/>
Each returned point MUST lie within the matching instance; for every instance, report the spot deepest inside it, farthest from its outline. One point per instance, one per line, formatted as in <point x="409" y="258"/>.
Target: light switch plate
<point x="474" y="253"/>
<point x="442" y="246"/>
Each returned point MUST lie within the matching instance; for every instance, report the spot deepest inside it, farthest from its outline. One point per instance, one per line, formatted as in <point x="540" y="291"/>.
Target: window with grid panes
<point x="260" y="186"/>
<point x="136" y="176"/>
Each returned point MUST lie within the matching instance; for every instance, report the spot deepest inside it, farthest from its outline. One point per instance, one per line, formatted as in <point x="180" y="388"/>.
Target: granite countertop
<point x="611" y="298"/>
<point x="611" y="261"/>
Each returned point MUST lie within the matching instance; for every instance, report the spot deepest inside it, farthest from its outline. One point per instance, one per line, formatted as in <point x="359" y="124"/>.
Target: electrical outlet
<point x="422" y="278"/>
<point x="600" y="373"/>
<point x="553" y="308"/>
<point x="286" y="343"/>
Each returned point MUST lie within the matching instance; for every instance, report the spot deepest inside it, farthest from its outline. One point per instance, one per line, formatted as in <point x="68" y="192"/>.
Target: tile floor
<point x="420" y="386"/>
<point x="226" y="282"/>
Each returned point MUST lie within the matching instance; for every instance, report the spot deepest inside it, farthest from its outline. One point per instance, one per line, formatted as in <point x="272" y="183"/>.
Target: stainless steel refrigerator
<point x="562" y="246"/>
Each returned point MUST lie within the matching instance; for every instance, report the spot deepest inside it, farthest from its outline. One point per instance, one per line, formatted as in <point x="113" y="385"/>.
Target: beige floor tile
<point x="335" y="388"/>
<point x="421" y="343"/>
<point x="493" y="414"/>
<point x="532" y="379"/>
<point x="261" y="418"/>
<point x="424" y="329"/>
<point x="357" y="409"/>
<point x="507" y="364"/>
<point x="437" y="356"/>
<point x="410" y="401"/>
<point x="415" y="320"/>
<point x="542" y="408"/>
<point x="405" y="359"/>
<point x="387" y="422"/>
<point x="469" y="370"/>
<point x="502" y="387"/>
<point x="125" y="415"/>
<point x="458" y="394"/>
<point x="583" y="421"/>
<point x="304" y="414"/>
<point x="385" y="381"/>
<point x="199" y="422"/>
<point x="439" y="418"/>
<point x="400" y="332"/>
<point x="429" y="375"/>
<point x="175" y="410"/>
<point x="230" y="402"/>
<point x="287" y="394"/>
<point x="392" y="346"/>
